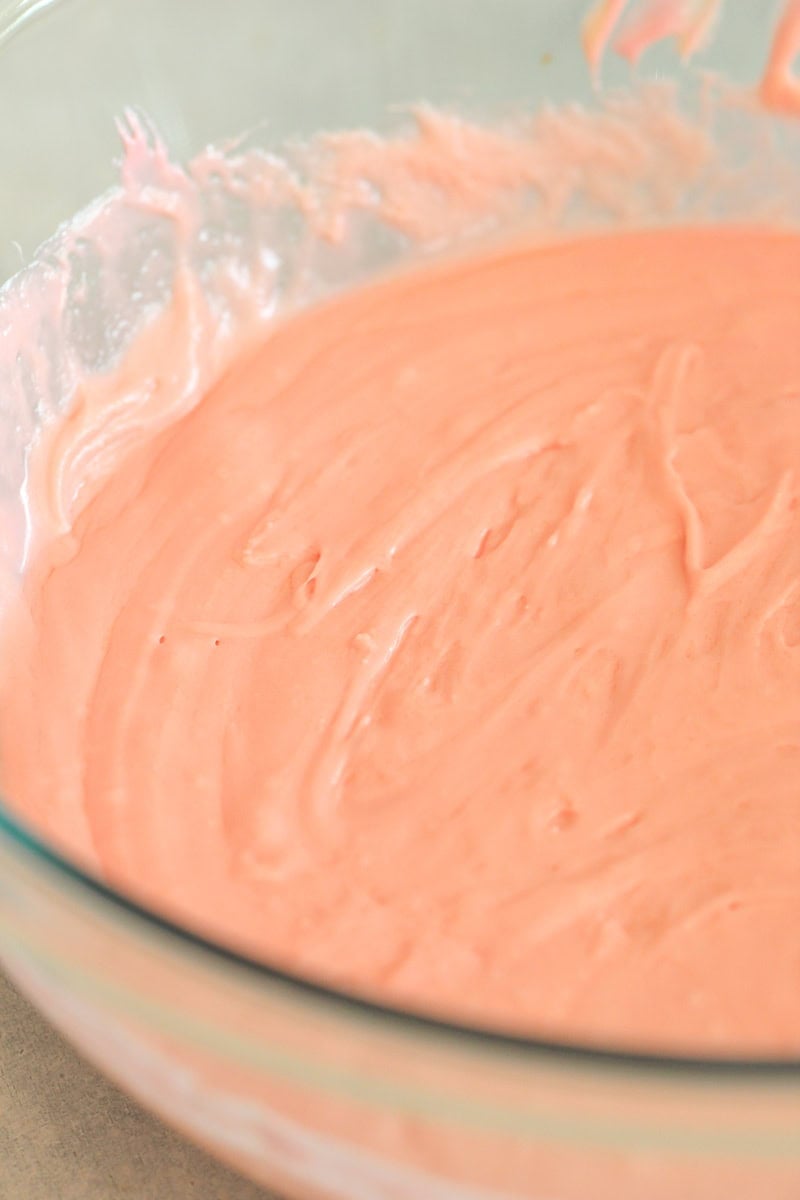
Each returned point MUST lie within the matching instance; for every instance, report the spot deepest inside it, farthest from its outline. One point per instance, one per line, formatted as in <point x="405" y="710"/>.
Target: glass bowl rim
<point x="568" y="1053"/>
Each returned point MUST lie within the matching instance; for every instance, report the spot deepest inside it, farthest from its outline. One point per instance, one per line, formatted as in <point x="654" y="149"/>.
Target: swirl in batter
<point x="450" y="647"/>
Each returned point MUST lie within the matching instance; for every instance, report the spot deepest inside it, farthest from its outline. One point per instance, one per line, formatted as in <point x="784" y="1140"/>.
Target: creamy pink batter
<point x="449" y="647"/>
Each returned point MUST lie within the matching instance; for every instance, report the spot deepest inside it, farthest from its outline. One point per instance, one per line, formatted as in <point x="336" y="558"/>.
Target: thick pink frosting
<point x="448" y="647"/>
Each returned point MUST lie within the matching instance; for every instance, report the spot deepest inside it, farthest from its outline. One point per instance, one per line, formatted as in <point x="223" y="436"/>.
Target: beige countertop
<point x="67" y="1134"/>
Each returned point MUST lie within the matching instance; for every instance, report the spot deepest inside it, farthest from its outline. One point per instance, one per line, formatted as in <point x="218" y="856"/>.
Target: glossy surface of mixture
<point x="449" y="648"/>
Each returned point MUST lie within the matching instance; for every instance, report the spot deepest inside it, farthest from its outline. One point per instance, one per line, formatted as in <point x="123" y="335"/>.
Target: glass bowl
<point x="310" y="1091"/>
